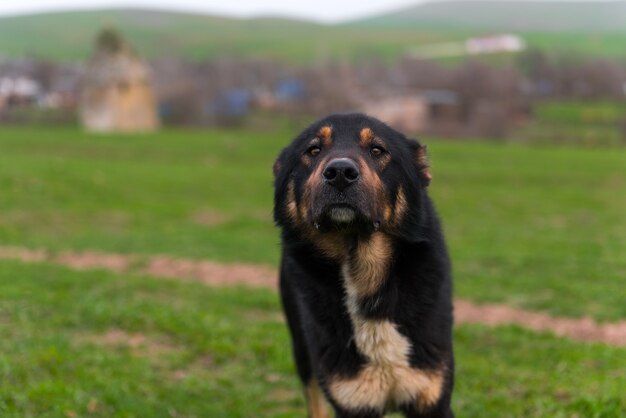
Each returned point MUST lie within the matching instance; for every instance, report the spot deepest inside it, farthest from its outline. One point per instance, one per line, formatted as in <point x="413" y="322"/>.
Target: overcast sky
<point x="323" y="10"/>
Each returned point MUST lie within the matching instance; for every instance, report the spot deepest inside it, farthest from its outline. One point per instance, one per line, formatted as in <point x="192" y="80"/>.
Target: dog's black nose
<point x="341" y="172"/>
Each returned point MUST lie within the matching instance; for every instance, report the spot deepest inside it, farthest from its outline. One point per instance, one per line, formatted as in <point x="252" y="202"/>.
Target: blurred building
<point x="494" y="44"/>
<point x="18" y="90"/>
<point x="116" y="92"/>
<point x="424" y="111"/>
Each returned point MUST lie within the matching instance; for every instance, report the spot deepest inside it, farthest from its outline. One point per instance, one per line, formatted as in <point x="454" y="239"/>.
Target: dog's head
<point x="350" y="175"/>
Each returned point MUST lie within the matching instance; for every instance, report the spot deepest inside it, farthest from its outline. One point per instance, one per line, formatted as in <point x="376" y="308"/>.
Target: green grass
<point x="581" y="113"/>
<point x="140" y="194"/>
<point x="594" y="44"/>
<point x="196" y="351"/>
<point x="575" y="123"/>
<point x="576" y="134"/>
<point x="535" y="227"/>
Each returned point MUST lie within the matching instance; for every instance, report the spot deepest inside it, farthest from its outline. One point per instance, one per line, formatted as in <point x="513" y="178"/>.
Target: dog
<point x="365" y="278"/>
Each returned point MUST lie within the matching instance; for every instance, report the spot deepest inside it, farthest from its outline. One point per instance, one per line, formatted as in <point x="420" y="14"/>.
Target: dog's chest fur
<point x="387" y="379"/>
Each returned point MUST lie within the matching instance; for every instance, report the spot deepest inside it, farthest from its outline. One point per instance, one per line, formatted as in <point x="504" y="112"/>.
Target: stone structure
<point x="116" y="91"/>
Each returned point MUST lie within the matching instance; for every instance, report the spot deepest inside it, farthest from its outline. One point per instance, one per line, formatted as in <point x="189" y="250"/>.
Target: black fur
<point x="415" y="294"/>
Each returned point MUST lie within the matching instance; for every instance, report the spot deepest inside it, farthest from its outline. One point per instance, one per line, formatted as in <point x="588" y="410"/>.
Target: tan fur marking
<point x="366" y="136"/>
<point x="380" y="342"/>
<point x="325" y="134"/>
<point x="333" y="245"/>
<point x="387" y="378"/>
<point x="368" y="265"/>
<point x="292" y="207"/>
<point x="387" y="213"/>
<point x="316" y="176"/>
<point x="424" y="387"/>
<point x="378" y="386"/>
<point x="316" y="402"/>
<point x="401" y="206"/>
<point x="384" y="161"/>
<point x="373" y="182"/>
<point x="422" y="160"/>
<point x="370" y="389"/>
<point x="311" y="184"/>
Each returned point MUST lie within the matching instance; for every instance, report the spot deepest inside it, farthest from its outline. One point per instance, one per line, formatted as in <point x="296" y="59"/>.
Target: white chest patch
<point x="387" y="379"/>
<point x="378" y="340"/>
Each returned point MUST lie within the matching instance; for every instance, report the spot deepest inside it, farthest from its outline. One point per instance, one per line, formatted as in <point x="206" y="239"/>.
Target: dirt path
<point x="218" y="274"/>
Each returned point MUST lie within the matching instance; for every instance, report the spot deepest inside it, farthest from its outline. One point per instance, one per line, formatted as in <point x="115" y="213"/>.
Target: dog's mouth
<point x="344" y="217"/>
<point x="341" y="213"/>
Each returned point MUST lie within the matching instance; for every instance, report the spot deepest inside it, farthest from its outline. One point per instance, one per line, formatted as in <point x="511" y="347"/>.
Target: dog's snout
<point x="341" y="173"/>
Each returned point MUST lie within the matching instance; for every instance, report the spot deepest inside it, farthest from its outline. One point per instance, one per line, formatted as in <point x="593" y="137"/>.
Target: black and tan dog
<point x="365" y="278"/>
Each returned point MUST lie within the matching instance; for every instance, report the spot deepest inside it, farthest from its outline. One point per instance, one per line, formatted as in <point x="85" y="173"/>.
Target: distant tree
<point x="45" y="72"/>
<point x="424" y="74"/>
<point x="109" y="39"/>
<point x="603" y="78"/>
<point x="536" y="64"/>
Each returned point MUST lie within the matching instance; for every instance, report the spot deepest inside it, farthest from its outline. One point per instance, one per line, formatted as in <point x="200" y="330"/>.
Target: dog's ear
<point x="279" y="163"/>
<point x="421" y="159"/>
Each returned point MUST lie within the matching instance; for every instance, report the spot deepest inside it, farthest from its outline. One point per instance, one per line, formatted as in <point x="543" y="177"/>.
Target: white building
<point x="494" y="43"/>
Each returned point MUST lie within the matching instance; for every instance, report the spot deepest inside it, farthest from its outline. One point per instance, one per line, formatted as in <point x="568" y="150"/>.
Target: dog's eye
<point x="376" y="151"/>
<point x="313" y="150"/>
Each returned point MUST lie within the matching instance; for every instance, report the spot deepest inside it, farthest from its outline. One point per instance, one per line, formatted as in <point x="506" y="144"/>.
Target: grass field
<point x="581" y="113"/>
<point x="526" y="226"/>
<point x="103" y="345"/>
<point x="579" y="123"/>
<point x="535" y="227"/>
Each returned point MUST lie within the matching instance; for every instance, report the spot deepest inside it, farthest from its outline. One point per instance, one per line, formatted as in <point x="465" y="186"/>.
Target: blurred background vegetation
<point x="541" y="72"/>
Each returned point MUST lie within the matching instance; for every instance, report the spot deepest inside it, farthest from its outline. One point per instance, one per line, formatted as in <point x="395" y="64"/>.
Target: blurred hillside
<point x="566" y="27"/>
<point x="69" y="35"/>
<point x="524" y="16"/>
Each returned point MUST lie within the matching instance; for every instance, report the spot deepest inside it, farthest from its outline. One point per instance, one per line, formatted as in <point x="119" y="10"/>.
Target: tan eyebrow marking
<point x="325" y="133"/>
<point x="367" y="136"/>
